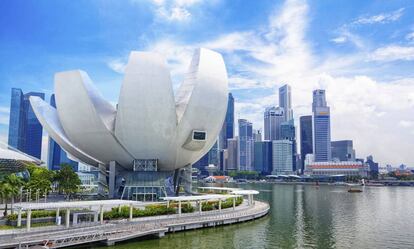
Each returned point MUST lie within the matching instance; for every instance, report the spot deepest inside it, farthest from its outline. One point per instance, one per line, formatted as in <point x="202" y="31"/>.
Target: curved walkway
<point x="116" y="231"/>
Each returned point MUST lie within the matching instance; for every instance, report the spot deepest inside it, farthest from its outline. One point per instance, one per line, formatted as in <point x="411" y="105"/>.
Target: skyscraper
<point x="25" y="131"/>
<point x="245" y="145"/>
<point x="285" y="101"/>
<point x="257" y="135"/>
<point x="282" y="157"/>
<point x="263" y="157"/>
<point x="373" y="167"/>
<point x="288" y="132"/>
<point x="232" y="154"/>
<point x="343" y="150"/>
<point x="273" y="118"/>
<point x="321" y="127"/>
<point x="227" y="131"/>
<point x="306" y="139"/>
<point x="57" y="156"/>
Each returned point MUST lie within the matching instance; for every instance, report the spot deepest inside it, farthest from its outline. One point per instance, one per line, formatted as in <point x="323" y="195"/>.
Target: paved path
<point x="120" y="230"/>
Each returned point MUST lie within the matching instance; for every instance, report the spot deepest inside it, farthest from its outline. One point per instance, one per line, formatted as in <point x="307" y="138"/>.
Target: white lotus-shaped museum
<point x="149" y="122"/>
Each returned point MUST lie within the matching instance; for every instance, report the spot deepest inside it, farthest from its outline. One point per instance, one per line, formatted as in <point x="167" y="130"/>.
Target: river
<point x="310" y="217"/>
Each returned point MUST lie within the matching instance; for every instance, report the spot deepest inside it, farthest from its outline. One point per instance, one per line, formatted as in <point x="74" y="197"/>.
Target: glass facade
<point x="246" y="145"/>
<point x="288" y="132"/>
<point x="57" y="156"/>
<point x="285" y="101"/>
<point x="273" y="118"/>
<point x="25" y="131"/>
<point x="305" y="138"/>
<point x="282" y="157"/>
<point x="343" y="150"/>
<point x="321" y="127"/>
<point x="227" y="130"/>
<point x="263" y="157"/>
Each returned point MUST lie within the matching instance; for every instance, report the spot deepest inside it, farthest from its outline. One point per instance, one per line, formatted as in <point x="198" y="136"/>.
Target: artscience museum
<point x="144" y="147"/>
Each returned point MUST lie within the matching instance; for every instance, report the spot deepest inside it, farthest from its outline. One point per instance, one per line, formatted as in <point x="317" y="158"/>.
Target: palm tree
<point x="5" y="191"/>
<point x="11" y="186"/>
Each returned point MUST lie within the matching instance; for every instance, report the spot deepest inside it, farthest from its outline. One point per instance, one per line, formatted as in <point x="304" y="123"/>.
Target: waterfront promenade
<point x="121" y="230"/>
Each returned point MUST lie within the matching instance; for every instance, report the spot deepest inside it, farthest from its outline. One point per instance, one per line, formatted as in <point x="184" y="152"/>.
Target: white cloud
<point x="363" y="109"/>
<point x="177" y="10"/>
<point x="339" y="39"/>
<point x="393" y="52"/>
<point x="117" y="65"/>
<point x="406" y="123"/>
<point x="381" y="18"/>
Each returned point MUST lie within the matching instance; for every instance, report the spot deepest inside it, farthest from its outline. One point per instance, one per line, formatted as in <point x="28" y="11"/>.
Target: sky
<point x="360" y="52"/>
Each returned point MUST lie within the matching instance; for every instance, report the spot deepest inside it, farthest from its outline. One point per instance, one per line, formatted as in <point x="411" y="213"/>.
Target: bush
<point x="151" y="210"/>
<point x="36" y="214"/>
<point x="207" y="206"/>
<point x="187" y="208"/>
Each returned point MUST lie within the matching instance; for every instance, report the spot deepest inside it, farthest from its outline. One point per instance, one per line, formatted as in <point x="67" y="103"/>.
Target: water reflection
<point x="310" y="217"/>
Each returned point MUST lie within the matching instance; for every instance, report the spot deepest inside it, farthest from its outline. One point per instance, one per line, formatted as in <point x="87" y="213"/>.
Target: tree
<point x="10" y="188"/>
<point x="68" y="181"/>
<point x="40" y="179"/>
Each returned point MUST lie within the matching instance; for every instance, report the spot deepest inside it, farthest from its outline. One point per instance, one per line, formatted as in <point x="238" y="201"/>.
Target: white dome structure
<point x="149" y="121"/>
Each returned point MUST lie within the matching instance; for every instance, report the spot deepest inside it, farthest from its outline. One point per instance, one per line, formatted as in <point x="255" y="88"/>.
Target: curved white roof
<point x="198" y="197"/>
<point x="149" y="122"/>
<point x="245" y="192"/>
<point x="7" y="152"/>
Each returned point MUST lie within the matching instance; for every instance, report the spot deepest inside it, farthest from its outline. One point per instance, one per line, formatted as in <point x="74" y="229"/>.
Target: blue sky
<point x="361" y="52"/>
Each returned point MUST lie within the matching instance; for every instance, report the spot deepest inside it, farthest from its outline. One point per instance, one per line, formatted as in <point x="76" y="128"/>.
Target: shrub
<point x="207" y="206"/>
<point x="36" y="214"/>
<point x="187" y="208"/>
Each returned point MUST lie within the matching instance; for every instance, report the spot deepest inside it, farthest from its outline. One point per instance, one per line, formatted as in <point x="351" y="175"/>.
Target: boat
<point x="354" y="188"/>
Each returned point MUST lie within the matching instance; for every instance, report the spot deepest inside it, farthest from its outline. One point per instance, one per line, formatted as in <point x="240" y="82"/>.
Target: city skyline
<point x="365" y="73"/>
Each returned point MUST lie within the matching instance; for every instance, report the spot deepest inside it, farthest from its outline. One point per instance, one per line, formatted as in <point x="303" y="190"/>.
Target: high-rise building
<point x="257" y="135"/>
<point x="343" y="150"/>
<point x="273" y="118"/>
<point x="373" y="167"/>
<point x="306" y="139"/>
<point x="321" y="127"/>
<point x="263" y="157"/>
<point x="223" y="159"/>
<point x="213" y="155"/>
<point x="245" y="145"/>
<point x="288" y="132"/>
<point x="25" y="131"/>
<point x="232" y="154"/>
<point x="282" y="157"/>
<point x="285" y="101"/>
<point x="227" y="131"/>
<point x="319" y="99"/>
<point x="57" y="156"/>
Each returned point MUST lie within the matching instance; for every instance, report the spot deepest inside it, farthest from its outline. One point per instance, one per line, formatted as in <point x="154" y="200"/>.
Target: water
<point x="310" y="217"/>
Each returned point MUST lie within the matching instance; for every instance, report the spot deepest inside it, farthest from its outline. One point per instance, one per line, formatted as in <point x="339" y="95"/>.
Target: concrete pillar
<point x="220" y="205"/>
<point x="179" y="207"/>
<point x="19" y="217"/>
<point x="112" y="179"/>
<point x="28" y="219"/>
<point x="130" y="212"/>
<point x="67" y="221"/>
<point x="168" y="204"/>
<point x="57" y="213"/>
<point x="234" y="203"/>
<point x="101" y="214"/>
<point x="200" y="206"/>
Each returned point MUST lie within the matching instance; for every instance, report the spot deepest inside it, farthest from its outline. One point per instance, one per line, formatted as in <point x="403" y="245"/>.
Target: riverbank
<point x="122" y="230"/>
